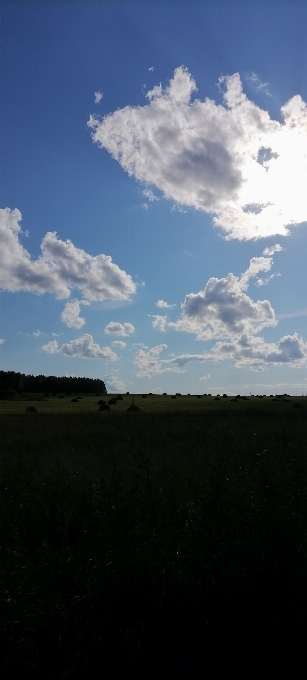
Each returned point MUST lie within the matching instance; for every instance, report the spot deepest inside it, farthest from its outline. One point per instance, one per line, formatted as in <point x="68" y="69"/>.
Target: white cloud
<point x="86" y="347"/>
<point x="2" y="341"/>
<point x="264" y="282"/>
<point x="268" y="252"/>
<point x="60" y="268"/>
<point x="98" y="97"/>
<point x="51" y="347"/>
<point x="255" y="353"/>
<point x="149" y="362"/>
<point x="37" y="333"/>
<point x="223" y="308"/>
<point x="151" y="68"/>
<point x="83" y="347"/>
<point x="150" y="195"/>
<point x="116" y="328"/>
<point x="258" y="264"/>
<point x="224" y="312"/>
<point x="230" y="160"/>
<point x="160" y="323"/>
<point x="119" y="343"/>
<point x="258" y="84"/>
<point x="71" y="315"/>
<point x="249" y="352"/>
<point x="205" y="377"/>
<point x="164" y="305"/>
<point x="114" y="383"/>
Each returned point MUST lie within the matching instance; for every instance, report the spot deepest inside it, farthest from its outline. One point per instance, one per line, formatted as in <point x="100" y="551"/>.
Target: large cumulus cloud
<point x="231" y="160"/>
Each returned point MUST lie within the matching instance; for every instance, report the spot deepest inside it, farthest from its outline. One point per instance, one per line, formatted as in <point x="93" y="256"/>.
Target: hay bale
<point x="104" y="407"/>
<point x="31" y="409"/>
<point x="76" y="401"/>
<point x="101" y="402"/>
<point x="133" y="408"/>
<point x="112" y="401"/>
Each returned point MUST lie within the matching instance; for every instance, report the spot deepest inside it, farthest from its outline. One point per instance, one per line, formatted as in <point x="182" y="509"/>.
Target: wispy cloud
<point x="98" y="97"/>
<point x="258" y="84"/>
<point x="2" y="341"/>
<point x="150" y="195"/>
<point x="149" y="363"/>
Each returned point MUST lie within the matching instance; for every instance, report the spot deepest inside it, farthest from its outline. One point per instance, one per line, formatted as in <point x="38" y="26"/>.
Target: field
<point x="165" y="543"/>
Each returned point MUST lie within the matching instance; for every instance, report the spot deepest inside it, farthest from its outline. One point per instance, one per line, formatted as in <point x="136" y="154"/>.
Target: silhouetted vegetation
<point x="9" y="380"/>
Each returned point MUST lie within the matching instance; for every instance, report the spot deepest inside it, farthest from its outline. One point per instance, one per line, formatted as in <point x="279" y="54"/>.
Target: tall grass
<point x="134" y="541"/>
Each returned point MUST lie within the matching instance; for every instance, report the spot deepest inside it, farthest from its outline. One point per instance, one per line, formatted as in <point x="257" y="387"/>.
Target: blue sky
<point x="153" y="194"/>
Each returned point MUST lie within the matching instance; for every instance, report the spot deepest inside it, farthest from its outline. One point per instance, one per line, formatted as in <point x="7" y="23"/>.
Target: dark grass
<point x="154" y="545"/>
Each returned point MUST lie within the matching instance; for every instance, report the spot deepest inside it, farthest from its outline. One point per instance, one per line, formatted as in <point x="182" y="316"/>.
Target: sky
<point x="153" y="194"/>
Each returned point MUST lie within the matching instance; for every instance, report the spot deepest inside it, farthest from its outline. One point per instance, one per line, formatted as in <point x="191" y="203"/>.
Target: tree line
<point x="9" y="380"/>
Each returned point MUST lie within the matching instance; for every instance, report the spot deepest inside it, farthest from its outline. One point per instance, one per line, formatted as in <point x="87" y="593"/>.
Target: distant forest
<point x="9" y="380"/>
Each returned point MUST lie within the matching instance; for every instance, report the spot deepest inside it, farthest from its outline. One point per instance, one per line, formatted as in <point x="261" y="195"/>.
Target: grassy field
<point x="166" y="543"/>
<point x="62" y="403"/>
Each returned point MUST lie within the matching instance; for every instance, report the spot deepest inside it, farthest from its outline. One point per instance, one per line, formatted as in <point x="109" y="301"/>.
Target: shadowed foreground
<point x="151" y="545"/>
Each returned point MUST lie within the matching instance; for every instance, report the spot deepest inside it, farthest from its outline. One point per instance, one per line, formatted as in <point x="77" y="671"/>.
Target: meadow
<point x="168" y="542"/>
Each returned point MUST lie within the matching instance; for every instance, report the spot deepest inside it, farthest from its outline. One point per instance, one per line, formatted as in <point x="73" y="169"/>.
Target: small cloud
<point x="157" y="390"/>
<point x="98" y="97"/>
<point x="37" y="334"/>
<point x="151" y="68"/>
<point x="205" y="377"/>
<point x="268" y="252"/>
<point x="56" y="335"/>
<point x="159" y="323"/>
<point x="164" y="305"/>
<point x="145" y="206"/>
<point x="116" y="328"/>
<point x="2" y="341"/>
<point x="114" y="383"/>
<point x="86" y="347"/>
<point x="258" y="84"/>
<point x="264" y="282"/>
<point x="150" y="195"/>
<point x="119" y="343"/>
<point x="71" y="315"/>
<point x="51" y="347"/>
<point x="83" y="347"/>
